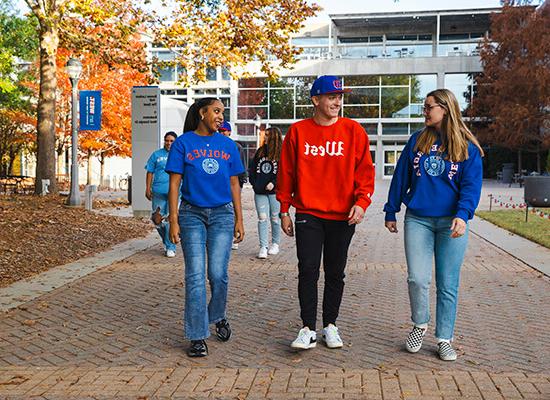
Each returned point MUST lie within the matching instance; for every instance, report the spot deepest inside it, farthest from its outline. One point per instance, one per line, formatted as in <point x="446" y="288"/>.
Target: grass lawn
<point x="537" y="229"/>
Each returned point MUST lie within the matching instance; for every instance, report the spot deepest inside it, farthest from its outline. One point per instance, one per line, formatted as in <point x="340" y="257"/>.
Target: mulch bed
<point x="38" y="233"/>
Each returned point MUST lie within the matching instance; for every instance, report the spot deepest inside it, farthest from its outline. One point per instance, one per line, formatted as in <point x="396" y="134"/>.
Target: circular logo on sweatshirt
<point x="434" y="165"/>
<point x="210" y="166"/>
<point x="266" y="168"/>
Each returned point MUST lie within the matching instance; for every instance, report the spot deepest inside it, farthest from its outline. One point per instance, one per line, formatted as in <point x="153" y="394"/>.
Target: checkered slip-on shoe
<point x="415" y="338"/>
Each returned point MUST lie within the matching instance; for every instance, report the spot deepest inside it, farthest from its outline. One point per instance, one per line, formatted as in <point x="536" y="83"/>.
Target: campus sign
<point x="90" y="110"/>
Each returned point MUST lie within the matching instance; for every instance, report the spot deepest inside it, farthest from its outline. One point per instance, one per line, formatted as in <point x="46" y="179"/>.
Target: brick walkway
<point x="118" y="332"/>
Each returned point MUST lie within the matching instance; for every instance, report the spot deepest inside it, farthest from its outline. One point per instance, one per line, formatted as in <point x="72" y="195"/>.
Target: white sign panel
<point x="145" y="140"/>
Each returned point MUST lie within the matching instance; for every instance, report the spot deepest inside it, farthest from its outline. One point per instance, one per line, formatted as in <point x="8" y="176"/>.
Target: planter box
<point x="537" y="191"/>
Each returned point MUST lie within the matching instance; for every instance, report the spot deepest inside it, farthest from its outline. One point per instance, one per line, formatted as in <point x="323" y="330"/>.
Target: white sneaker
<point x="331" y="337"/>
<point x="306" y="339"/>
<point x="170" y="253"/>
<point x="273" y="249"/>
<point x="263" y="252"/>
<point x="234" y="246"/>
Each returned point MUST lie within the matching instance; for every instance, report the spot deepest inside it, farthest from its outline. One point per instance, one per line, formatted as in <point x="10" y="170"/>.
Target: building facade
<point x="389" y="60"/>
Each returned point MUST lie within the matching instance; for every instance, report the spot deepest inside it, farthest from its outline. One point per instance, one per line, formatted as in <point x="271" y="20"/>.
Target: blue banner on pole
<point x="90" y="110"/>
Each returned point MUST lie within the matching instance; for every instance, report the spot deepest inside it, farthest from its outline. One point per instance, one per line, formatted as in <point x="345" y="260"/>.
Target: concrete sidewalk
<point x="117" y="333"/>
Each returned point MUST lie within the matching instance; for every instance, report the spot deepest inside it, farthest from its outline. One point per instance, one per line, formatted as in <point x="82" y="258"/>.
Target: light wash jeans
<point x="161" y="201"/>
<point x="206" y="237"/>
<point x="267" y="206"/>
<point x="426" y="237"/>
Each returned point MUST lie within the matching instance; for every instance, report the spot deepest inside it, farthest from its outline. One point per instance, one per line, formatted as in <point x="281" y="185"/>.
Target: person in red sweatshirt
<point x="326" y="174"/>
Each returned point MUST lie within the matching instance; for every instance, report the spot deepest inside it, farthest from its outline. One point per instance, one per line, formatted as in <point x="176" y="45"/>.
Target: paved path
<point x="118" y="332"/>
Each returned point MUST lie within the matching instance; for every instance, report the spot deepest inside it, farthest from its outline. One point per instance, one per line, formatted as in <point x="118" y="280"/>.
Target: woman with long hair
<point x="207" y="165"/>
<point x="438" y="177"/>
<point x="262" y="173"/>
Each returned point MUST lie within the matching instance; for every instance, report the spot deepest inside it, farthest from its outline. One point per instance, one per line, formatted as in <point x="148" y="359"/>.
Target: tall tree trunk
<point x="89" y="172"/>
<point x="520" y="159"/>
<point x="539" y="166"/>
<point x="45" y="156"/>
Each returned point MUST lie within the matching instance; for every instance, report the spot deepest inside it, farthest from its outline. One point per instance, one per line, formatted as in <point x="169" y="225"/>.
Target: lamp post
<point x="73" y="69"/>
<point x="257" y="126"/>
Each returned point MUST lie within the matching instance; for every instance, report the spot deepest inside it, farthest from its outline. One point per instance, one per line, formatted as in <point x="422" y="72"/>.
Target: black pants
<point x="316" y="236"/>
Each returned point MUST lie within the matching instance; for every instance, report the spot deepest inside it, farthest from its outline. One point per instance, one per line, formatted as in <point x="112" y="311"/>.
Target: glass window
<point x="225" y="74"/>
<point x="421" y="85"/>
<point x="281" y="103"/>
<point x="361" y="80"/>
<point x="395" y="80"/>
<point x="361" y="111"/>
<point x="363" y="96"/>
<point x="253" y="83"/>
<point x="211" y="74"/>
<point x="394" y="99"/>
<point x="247" y="112"/>
<point x="309" y="41"/>
<point x="245" y="129"/>
<point x="303" y="86"/>
<point x="303" y="112"/>
<point x="373" y="156"/>
<point x="371" y="129"/>
<point x="167" y="74"/>
<point x="203" y="92"/>
<point x="461" y="86"/>
<point x="254" y="97"/>
<point x="395" y="129"/>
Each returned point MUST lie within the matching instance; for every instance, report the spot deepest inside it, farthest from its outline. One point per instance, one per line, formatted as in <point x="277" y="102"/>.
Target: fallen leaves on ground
<point x="38" y="233"/>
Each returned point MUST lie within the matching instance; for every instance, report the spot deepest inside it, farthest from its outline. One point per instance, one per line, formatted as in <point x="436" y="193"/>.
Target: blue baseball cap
<point x="225" y="126"/>
<point x="326" y="84"/>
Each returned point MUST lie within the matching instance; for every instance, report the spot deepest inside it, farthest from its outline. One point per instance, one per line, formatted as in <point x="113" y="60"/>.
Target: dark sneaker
<point x="414" y="340"/>
<point x="197" y="348"/>
<point x="223" y="330"/>
<point x="446" y="351"/>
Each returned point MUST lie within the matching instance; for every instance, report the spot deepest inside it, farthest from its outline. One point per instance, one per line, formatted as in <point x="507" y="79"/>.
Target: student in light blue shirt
<point x="207" y="165"/>
<point x="156" y="190"/>
<point x="438" y="177"/>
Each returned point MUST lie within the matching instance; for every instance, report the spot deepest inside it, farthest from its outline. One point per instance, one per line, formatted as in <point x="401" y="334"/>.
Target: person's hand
<point x="392" y="226"/>
<point x="458" y="227"/>
<point x="174" y="232"/>
<point x="238" y="232"/>
<point x="269" y="186"/>
<point x="148" y="194"/>
<point x="286" y="225"/>
<point x="356" y="215"/>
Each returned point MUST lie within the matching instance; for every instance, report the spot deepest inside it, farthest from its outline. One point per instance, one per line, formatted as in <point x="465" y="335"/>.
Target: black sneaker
<point x="198" y="348"/>
<point x="223" y="330"/>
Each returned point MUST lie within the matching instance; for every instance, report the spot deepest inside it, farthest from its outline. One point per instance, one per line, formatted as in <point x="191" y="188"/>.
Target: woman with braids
<point x="438" y="177"/>
<point x="210" y="215"/>
<point x="263" y="176"/>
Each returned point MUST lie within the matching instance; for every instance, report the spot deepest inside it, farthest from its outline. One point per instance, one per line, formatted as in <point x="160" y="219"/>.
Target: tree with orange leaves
<point x="116" y="82"/>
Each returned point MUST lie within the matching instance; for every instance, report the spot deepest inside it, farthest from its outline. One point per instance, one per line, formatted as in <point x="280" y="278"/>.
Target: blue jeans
<point x="267" y="206"/>
<point x="206" y="234"/>
<point x="426" y="237"/>
<point x="161" y="201"/>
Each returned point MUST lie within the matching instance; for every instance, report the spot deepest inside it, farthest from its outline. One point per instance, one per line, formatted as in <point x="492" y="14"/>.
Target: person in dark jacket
<point x="263" y="176"/>
<point x="438" y="177"/>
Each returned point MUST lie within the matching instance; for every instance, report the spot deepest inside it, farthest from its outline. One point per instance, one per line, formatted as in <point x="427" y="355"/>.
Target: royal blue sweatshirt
<point x="431" y="186"/>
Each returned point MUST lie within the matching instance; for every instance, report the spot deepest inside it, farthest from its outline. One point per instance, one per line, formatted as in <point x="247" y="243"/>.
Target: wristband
<point x="285" y="214"/>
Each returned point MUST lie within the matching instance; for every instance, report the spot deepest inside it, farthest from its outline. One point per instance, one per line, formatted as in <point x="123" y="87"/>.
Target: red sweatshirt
<point x="325" y="170"/>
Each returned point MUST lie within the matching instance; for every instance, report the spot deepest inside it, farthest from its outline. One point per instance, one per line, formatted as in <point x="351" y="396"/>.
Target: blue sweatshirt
<point x="431" y="186"/>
